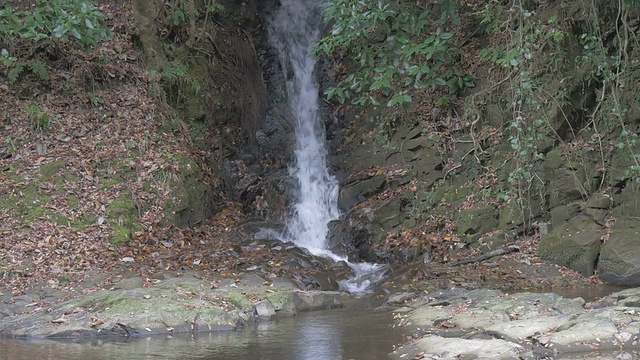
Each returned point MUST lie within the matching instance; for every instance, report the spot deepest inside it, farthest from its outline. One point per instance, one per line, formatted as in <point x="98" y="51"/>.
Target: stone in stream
<point x="265" y="309"/>
<point x="487" y="324"/>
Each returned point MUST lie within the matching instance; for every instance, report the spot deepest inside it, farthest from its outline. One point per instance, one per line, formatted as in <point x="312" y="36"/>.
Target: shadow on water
<point x="324" y="335"/>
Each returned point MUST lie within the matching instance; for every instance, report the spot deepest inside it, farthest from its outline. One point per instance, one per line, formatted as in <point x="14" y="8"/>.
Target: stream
<point x="324" y="335"/>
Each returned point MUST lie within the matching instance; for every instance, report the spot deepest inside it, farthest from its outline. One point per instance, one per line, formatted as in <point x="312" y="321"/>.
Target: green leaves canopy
<point x="390" y="47"/>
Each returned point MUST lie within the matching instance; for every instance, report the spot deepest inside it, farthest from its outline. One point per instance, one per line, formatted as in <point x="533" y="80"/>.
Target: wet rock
<point x="452" y="348"/>
<point x="264" y="309"/>
<point x="584" y="330"/>
<point x="350" y="237"/>
<point x="399" y="299"/>
<point x="518" y="330"/>
<point x="317" y="300"/>
<point x="488" y="324"/>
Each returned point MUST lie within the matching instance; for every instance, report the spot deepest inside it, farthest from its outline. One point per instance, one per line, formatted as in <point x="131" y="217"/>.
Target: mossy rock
<point x="478" y="220"/>
<point x="192" y="199"/>
<point x="628" y="202"/>
<point x="571" y="177"/>
<point x="620" y="258"/>
<point x="575" y="245"/>
<point x="122" y="214"/>
<point x="361" y="190"/>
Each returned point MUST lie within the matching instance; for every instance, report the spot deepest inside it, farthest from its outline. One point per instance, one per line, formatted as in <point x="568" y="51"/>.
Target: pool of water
<point x="324" y="335"/>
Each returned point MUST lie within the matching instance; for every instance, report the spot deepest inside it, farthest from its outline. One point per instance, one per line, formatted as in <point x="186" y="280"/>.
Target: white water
<point x="292" y="32"/>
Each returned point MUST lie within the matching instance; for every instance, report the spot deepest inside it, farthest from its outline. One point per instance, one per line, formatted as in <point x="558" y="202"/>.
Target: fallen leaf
<point x="60" y="320"/>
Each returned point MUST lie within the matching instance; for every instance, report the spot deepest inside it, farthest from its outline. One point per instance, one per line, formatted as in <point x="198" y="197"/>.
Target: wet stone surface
<point x="490" y="324"/>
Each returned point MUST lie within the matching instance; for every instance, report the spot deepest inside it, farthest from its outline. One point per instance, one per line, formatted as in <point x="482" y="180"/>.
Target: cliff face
<point x="542" y="152"/>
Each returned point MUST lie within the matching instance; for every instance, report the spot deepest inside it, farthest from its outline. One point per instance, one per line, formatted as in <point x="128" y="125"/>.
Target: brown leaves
<point x="104" y="144"/>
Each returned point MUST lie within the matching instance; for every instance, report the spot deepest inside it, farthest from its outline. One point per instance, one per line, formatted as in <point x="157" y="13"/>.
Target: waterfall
<point x="292" y="32"/>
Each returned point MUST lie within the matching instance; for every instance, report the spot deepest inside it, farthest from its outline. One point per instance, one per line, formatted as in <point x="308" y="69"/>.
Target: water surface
<point x="323" y="335"/>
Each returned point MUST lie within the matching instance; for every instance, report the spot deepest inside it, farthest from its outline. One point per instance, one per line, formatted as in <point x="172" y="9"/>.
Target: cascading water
<point x="292" y="32"/>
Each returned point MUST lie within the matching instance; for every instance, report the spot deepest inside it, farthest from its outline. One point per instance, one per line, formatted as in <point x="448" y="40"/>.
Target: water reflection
<point x="325" y="335"/>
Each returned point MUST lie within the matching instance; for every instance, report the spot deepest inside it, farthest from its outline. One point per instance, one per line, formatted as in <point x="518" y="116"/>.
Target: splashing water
<point x="292" y="32"/>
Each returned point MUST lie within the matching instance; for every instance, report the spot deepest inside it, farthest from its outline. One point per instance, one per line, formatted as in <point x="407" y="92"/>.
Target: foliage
<point x="178" y="74"/>
<point x="391" y="47"/>
<point x="80" y="20"/>
<point x="43" y="23"/>
<point x="40" y="119"/>
<point x="589" y="54"/>
<point x="177" y="15"/>
<point x="36" y="67"/>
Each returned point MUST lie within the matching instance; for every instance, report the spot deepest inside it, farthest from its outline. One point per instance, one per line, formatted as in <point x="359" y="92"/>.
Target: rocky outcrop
<point x="167" y="305"/>
<point x="488" y="324"/>
<point x="458" y="185"/>
<point x="620" y="256"/>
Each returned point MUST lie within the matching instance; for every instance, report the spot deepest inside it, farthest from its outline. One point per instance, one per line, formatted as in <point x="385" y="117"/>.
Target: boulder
<point x="575" y="245"/>
<point x="264" y="309"/>
<point x="479" y="220"/>
<point x="317" y="300"/>
<point x="437" y="347"/>
<point x="620" y="257"/>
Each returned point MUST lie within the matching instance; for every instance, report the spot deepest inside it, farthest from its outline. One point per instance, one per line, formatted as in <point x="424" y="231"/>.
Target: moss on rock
<point x="123" y="215"/>
<point x="575" y="245"/>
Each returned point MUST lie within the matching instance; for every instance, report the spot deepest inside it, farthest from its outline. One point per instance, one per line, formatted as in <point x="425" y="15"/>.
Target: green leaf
<point x="59" y="31"/>
<point x="399" y="99"/>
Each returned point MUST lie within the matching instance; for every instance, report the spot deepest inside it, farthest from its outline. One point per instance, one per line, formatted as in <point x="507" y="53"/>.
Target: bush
<point x="392" y="47"/>
<point x="79" y="20"/>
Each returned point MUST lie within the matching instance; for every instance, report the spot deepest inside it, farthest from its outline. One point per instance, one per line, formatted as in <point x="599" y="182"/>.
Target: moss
<point x="122" y="213"/>
<point x="121" y="234"/>
<point x="49" y="170"/>
<point x="114" y="172"/>
<point x="279" y="299"/>
<point x="81" y="222"/>
<point x="238" y="300"/>
<point x="191" y="201"/>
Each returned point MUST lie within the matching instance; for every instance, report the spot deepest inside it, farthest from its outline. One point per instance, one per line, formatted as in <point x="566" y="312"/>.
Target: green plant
<point x="6" y="59"/>
<point x="391" y="47"/>
<point x="180" y="17"/>
<point x="80" y="20"/>
<point x="95" y="99"/>
<point x="40" y="119"/>
<point x="12" y="144"/>
<point x="178" y="73"/>
<point x="36" y="67"/>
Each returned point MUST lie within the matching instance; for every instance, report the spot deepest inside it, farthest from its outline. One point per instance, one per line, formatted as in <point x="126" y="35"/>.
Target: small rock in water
<point x="399" y="299"/>
<point x="265" y="309"/>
